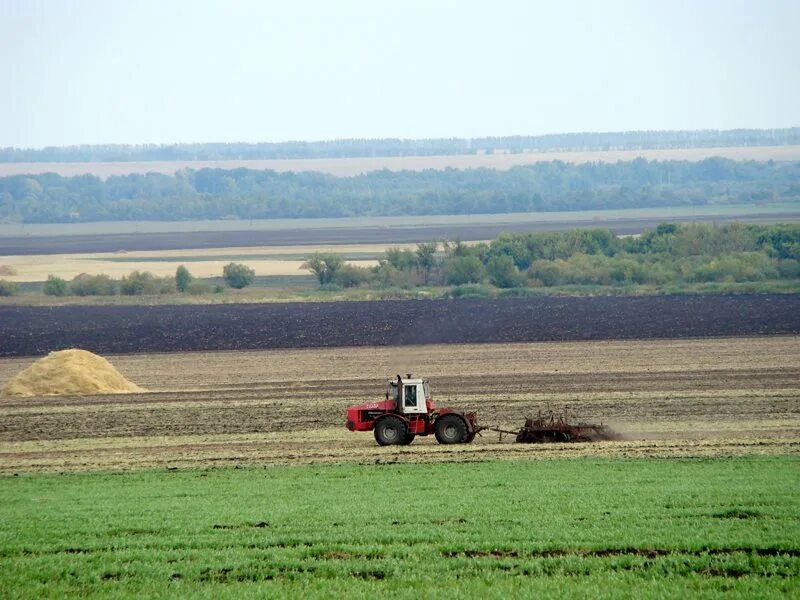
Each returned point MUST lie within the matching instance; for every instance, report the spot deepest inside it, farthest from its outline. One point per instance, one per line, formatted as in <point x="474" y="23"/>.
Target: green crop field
<point x="581" y="528"/>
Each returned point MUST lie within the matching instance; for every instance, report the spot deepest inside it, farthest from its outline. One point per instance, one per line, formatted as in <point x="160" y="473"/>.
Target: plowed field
<point x="30" y="331"/>
<point x="693" y="397"/>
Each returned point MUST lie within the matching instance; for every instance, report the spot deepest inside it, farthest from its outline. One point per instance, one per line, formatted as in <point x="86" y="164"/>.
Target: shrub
<point x="182" y="279"/>
<point x="8" y="288"/>
<point x="503" y="272"/>
<point x="7" y="270"/>
<point x="55" y="286"/>
<point x="387" y="276"/>
<point x="464" y="269"/>
<point x="545" y="271"/>
<point x="237" y="275"/>
<point x="789" y="269"/>
<point x="92" y="285"/>
<point x="404" y="259"/>
<point x="426" y="259"/>
<point x="782" y="241"/>
<point x="519" y="293"/>
<point x="627" y="270"/>
<point x="324" y="265"/>
<point x="140" y="283"/>
<point x="586" y="270"/>
<point x="331" y="287"/>
<point x="351" y="276"/>
<point x="471" y="291"/>
<point x="739" y="267"/>
<point x="198" y="288"/>
<point x="219" y="289"/>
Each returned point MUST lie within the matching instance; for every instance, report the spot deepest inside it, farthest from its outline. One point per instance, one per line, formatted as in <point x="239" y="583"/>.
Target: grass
<point x="586" y="528"/>
<point x="304" y="288"/>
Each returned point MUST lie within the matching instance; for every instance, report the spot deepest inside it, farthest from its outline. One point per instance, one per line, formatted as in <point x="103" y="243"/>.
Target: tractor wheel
<point x="451" y="429"/>
<point x="390" y="431"/>
<point x="408" y="439"/>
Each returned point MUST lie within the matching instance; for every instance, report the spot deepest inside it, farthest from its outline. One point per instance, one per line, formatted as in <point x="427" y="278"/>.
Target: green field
<point x="584" y="528"/>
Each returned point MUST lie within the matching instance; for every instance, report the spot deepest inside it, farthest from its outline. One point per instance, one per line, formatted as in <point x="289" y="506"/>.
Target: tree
<point x="402" y="259"/>
<point x="238" y="275"/>
<point x="503" y="272"/>
<point x="92" y="285"/>
<point x="351" y="276"/>
<point x="324" y="265"/>
<point x="545" y="186"/>
<point x="464" y="269"/>
<point x="144" y="283"/>
<point x="182" y="279"/>
<point x="8" y="288"/>
<point x="55" y="286"/>
<point x="455" y="248"/>
<point x="426" y="258"/>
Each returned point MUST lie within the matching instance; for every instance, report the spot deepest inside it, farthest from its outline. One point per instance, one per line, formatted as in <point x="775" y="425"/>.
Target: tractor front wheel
<point x="408" y="439"/>
<point x="390" y="431"/>
<point x="451" y="429"/>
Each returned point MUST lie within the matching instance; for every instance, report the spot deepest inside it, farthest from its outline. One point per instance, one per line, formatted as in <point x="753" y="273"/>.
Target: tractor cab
<point x="410" y="395"/>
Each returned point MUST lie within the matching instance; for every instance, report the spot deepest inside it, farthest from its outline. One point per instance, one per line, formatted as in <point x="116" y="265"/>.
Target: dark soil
<point x="68" y="244"/>
<point x="26" y="331"/>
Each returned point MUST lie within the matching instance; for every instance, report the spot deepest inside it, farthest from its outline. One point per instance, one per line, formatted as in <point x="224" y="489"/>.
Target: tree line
<point x="255" y="194"/>
<point x="347" y="148"/>
<point x="670" y="254"/>
<point x="137" y="283"/>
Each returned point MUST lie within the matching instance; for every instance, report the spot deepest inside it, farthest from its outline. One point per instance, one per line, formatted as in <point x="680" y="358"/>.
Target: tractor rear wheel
<point x="451" y="429"/>
<point x="390" y="431"/>
<point x="408" y="439"/>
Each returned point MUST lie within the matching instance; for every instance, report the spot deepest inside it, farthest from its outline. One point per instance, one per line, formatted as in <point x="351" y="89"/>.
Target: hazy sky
<point x="115" y="71"/>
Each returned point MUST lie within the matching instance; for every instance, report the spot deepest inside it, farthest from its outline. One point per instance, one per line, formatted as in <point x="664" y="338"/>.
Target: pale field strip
<point x="347" y="167"/>
<point x="204" y="370"/>
<point x="378" y="363"/>
<point x="36" y="267"/>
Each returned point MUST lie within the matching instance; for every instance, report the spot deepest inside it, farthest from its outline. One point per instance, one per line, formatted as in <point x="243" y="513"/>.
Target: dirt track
<point x="669" y="397"/>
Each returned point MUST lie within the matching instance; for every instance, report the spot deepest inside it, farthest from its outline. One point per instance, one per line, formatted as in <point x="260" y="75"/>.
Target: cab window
<point x="410" y="394"/>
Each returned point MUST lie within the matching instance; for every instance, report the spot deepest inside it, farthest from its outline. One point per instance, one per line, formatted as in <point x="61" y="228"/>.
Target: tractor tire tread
<point x="456" y="421"/>
<point x="381" y="429"/>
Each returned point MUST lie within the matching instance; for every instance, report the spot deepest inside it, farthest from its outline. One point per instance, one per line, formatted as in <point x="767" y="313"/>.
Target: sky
<point x="142" y="71"/>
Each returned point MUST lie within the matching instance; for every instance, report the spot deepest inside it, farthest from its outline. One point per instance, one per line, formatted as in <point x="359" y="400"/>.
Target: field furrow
<point x="693" y="397"/>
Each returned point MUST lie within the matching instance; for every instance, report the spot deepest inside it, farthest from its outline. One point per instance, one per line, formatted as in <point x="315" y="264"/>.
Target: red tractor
<point x="407" y="412"/>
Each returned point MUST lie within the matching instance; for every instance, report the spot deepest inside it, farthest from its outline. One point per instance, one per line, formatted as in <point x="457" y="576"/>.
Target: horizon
<point x="788" y="128"/>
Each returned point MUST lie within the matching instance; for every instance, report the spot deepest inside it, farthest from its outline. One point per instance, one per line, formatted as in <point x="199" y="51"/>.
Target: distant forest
<point x="255" y="194"/>
<point x="625" y="140"/>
